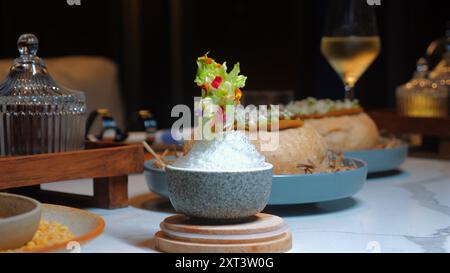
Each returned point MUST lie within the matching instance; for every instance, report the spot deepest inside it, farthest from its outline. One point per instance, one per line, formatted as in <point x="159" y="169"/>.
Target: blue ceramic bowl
<point x="382" y="160"/>
<point x="156" y="178"/>
<point x="315" y="188"/>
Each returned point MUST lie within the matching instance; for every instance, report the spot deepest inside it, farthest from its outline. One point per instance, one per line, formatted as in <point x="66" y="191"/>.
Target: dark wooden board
<point x="395" y="123"/>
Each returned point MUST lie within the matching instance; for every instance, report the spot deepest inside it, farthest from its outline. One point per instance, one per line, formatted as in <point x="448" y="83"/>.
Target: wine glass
<point x="350" y="42"/>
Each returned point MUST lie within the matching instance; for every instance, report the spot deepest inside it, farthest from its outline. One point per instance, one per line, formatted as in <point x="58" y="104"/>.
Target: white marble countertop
<point x="406" y="212"/>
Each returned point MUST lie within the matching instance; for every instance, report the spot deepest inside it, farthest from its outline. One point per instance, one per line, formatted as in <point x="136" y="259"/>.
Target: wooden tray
<point x="439" y="128"/>
<point x="395" y="123"/>
<point x="108" y="164"/>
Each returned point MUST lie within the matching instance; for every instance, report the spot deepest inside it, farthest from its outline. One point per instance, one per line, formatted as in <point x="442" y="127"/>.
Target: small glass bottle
<point x="420" y="97"/>
<point x="37" y="115"/>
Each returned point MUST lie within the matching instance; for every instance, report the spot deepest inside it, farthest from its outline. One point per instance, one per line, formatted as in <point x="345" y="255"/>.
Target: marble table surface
<point x="406" y="211"/>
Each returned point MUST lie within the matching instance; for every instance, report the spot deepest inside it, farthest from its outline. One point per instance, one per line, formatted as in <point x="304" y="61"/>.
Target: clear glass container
<point x="437" y="49"/>
<point x="421" y="97"/>
<point x="441" y="74"/>
<point x="37" y="115"/>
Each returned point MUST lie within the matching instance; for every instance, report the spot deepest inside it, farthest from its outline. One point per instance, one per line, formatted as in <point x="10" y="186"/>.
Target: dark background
<point x="155" y="43"/>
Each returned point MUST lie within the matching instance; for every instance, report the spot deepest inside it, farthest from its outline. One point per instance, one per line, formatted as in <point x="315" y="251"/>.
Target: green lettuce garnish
<point x="222" y="87"/>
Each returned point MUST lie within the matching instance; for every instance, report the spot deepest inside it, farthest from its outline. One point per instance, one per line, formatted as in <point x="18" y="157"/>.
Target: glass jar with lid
<point x="37" y="115"/>
<point x="420" y="97"/>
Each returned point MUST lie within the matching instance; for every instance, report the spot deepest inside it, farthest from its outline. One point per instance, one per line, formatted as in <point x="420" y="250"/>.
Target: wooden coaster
<point x="262" y="234"/>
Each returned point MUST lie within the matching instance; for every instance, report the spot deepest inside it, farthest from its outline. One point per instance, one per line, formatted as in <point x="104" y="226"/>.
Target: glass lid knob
<point x="28" y="45"/>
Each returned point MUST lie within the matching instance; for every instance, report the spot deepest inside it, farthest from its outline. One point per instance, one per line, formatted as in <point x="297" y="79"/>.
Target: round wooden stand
<point x="261" y="234"/>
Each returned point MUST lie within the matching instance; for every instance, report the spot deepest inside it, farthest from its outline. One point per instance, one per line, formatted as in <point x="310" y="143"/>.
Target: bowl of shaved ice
<point x="223" y="180"/>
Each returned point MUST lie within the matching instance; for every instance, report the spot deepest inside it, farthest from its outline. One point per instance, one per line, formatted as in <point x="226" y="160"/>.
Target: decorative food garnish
<point x="313" y="108"/>
<point x="222" y="87"/>
<point x="265" y="118"/>
<point x="219" y="88"/>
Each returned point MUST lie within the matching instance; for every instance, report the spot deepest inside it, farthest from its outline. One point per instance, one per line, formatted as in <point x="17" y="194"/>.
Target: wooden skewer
<point x="166" y="152"/>
<point x="155" y="155"/>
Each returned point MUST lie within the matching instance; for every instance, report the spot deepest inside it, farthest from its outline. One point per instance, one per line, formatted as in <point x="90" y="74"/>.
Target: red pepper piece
<point x="216" y="82"/>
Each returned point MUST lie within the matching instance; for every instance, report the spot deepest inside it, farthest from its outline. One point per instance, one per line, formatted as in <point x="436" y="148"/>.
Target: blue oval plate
<point x="315" y="188"/>
<point x="289" y="189"/>
<point x="382" y="160"/>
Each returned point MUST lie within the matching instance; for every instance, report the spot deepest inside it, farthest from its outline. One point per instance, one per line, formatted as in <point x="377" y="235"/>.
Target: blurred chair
<point x="96" y="76"/>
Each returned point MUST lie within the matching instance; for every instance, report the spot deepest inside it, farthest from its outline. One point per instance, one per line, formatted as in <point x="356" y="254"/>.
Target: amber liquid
<point x="350" y="56"/>
<point x="423" y="105"/>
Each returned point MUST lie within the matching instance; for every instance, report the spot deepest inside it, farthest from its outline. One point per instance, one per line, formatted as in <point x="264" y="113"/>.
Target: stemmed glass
<point x="350" y="42"/>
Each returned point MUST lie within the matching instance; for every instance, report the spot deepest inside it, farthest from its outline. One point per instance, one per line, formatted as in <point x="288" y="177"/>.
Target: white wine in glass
<point x="350" y="56"/>
<point x="351" y="42"/>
